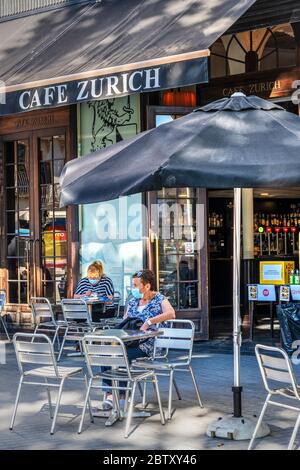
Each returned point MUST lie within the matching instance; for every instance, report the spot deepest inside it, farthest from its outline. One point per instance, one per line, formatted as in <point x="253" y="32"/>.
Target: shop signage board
<point x="115" y="85"/>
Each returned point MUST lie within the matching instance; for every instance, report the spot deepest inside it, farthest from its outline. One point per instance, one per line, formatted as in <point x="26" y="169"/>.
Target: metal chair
<point x="116" y="319"/>
<point x="173" y="339"/>
<point x="77" y="322"/>
<point x="2" y="305"/>
<point x="37" y="365"/>
<point x="109" y="351"/>
<point x="43" y="318"/>
<point x="279" y="381"/>
<point x="117" y="303"/>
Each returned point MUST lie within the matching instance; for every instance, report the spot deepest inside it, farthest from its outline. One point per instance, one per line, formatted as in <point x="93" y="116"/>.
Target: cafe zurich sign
<point x="104" y="87"/>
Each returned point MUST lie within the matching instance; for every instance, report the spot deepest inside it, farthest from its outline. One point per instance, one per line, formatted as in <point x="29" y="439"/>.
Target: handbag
<point x="131" y="323"/>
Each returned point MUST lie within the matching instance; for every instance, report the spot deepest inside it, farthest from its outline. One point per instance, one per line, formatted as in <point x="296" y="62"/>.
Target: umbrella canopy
<point x="234" y="142"/>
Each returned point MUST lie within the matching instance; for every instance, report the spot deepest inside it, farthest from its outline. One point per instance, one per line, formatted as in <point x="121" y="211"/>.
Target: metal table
<point x="125" y="336"/>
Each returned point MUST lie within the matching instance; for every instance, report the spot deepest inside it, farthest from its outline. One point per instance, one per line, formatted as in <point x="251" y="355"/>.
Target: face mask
<point x="94" y="282"/>
<point x="136" y="293"/>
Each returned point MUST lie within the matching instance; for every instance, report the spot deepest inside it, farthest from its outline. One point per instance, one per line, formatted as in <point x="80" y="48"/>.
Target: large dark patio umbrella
<point x="237" y="142"/>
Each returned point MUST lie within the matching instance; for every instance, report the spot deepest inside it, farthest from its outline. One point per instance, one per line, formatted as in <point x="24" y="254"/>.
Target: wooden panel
<point x="35" y="120"/>
<point x="269" y="85"/>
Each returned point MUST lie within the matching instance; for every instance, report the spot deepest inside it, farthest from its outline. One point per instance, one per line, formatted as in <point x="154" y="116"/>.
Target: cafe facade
<point x="46" y="122"/>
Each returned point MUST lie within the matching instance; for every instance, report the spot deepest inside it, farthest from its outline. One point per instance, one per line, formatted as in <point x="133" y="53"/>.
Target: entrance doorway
<point x="36" y="229"/>
<point x="38" y="240"/>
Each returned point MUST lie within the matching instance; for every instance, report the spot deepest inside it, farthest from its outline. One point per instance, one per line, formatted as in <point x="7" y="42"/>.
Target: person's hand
<point x="144" y="327"/>
<point x="88" y="293"/>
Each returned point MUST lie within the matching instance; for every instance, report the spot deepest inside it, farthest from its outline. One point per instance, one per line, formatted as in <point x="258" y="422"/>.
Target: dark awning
<point x="266" y="13"/>
<point x="110" y="37"/>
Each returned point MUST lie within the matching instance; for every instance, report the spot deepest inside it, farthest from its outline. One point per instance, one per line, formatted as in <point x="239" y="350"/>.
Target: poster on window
<point x="295" y="292"/>
<point x="252" y="293"/>
<point x="284" y="295"/>
<point x="266" y="293"/>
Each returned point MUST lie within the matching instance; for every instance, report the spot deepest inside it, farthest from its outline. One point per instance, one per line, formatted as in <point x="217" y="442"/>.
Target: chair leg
<point x="16" y="404"/>
<point x="259" y="422"/>
<point x="141" y="390"/>
<point x="126" y="400"/>
<point x="86" y="401"/>
<point x="56" y="338"/>
<point x="89" y="400"/>
<point x="116" y="399"/>
<point x="4" y="327"/>
<point x="57" y="406"/>
<point x="49" y="399"/>
<point x="161" y="411"/>
<point x="144" y="402"/>
<point x="196" y="386"/>
<point x="62" y="345"/>
<point x="294" y="435"/>
<point x="169" y="415"/>
<point x="130" y="411"/>
<point x="176" y="389"/>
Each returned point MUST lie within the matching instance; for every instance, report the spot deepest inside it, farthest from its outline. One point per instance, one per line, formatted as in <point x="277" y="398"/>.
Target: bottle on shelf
<point x="292" y="277"/>
<point x="297" y="277"/>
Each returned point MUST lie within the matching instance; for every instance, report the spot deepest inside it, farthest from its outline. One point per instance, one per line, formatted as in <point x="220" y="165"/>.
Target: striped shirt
<point x="104" y="288"/>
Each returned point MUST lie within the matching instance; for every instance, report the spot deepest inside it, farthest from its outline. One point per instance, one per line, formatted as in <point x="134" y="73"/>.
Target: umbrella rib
<point x="282" y="125"/>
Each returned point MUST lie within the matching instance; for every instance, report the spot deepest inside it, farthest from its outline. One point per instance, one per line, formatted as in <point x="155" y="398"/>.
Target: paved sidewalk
<point x="185" y="431"/>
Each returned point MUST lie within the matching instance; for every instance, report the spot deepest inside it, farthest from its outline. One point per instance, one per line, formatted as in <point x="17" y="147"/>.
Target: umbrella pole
<point x="237" y="335"/>
<point x="235" y="426"/>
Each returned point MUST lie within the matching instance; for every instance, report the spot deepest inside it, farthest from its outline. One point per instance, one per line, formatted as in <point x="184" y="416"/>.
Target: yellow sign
<point x="276" y="272"/>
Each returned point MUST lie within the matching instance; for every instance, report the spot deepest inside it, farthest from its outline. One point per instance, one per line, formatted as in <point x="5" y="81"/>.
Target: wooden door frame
<point x="47" y="123"/>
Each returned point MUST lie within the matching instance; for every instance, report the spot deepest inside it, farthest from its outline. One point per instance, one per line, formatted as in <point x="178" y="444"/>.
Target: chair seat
<point x="288" y="392"/>
<point x="48" y="371"/>
<point x="121" y="375"/>
<point x="47" y="324"/>
<point x="159" y="363"/>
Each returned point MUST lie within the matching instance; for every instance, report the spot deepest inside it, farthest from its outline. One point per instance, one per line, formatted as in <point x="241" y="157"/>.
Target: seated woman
<point x="98" y="283"/>
<point x="152" y="308"/>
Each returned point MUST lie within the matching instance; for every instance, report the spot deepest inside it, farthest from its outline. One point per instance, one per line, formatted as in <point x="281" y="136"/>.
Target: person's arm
<point x="109" y="291"/>
<point x="81" y="290"/>
<point x="168" y="313"/>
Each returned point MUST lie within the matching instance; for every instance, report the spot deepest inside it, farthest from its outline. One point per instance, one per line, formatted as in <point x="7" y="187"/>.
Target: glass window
<point x="112" y="231"/>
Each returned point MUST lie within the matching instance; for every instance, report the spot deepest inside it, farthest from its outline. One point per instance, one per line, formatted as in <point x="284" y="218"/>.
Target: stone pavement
<point x="213" y="368"/>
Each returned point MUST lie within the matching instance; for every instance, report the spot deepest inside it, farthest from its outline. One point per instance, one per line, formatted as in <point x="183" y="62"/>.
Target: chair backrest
<point x="177" y="335"/>
<point x="41" y="310"/>
<point x="104" y="351"/>
<point x="275" y="368"/>
<point x="75" y="310"/>
<point x="117" y="302"/>
<point x="2" y="299"/>
<point x="34" y="350"/>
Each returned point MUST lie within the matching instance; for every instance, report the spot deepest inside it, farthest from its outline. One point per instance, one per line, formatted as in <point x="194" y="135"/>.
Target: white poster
<point x="272" y="272"/>
<point x="284" y="294"/>
<point x="266" y="293"/>
<point x="295" y="292"/>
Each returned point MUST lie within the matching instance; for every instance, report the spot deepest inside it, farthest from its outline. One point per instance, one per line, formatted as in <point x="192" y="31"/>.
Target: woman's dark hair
<point x="147" y="277"/>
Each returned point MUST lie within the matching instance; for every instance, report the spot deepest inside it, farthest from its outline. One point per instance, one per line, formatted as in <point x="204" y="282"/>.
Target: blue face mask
<point x="136" y="293"/>
<point x="94" y="282"/>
